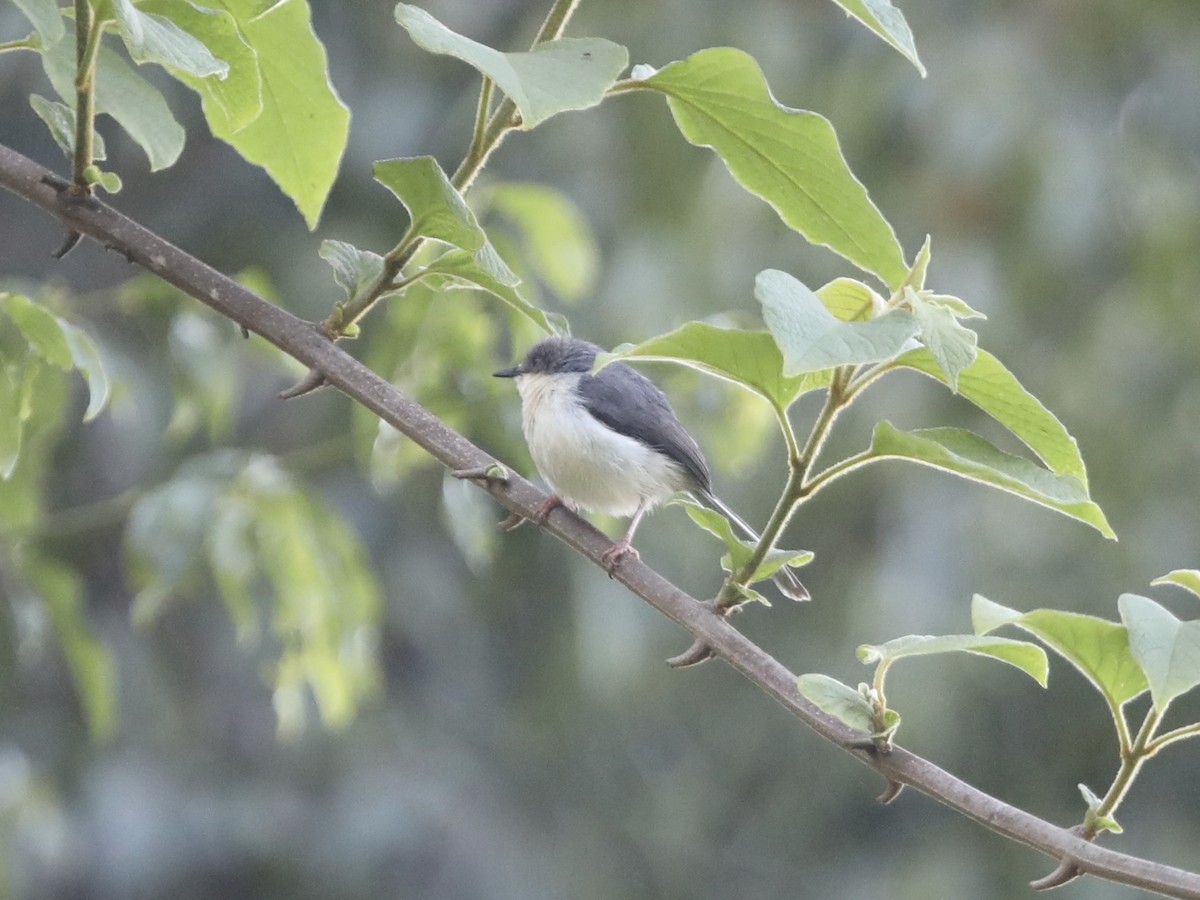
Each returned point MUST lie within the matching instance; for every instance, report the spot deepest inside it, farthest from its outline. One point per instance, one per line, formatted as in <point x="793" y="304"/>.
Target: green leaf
<point x="951" y="345"/>
<point x="86" y="359"/>
<point x="837" y="699"/>
<point x="1027" y="657"/>
<point x="812" y="338"/>
<point x="435" y="207"/>
<point x="1189" y="579"/>
<point x="557" y="240"/>
<point x="966" y="454"/>
<point x="235" y="100"/>
<point x="11" y="424"/>
<point x="458" y="269"/>
<point x="60" y="119"/>
<point x="1099" y="649"/>
<point x="956" y="305"/>
<point x="356" y="271"/>
<point x="153" y="38"/>
<point x="301" y="133"/>
<point x="123" y="94"/>
<point x="90" y="662"/>
<point x="850" y="300"/>
<point x="740" y="551"/>
<point x="749" y="359"/>
<point x="991" y="387"/>
<point x="555" y="76"/>
<point x="1093" y="821"/>
<point x="1167" y="649"/>
<point x="788" y="157"/>
<point x="45" y="17"/>
<point x="40" y="328"/>
<point x="887" y="22"/>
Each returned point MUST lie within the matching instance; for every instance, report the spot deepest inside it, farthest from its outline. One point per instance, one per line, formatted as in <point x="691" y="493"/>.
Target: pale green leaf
<point x="153" y="38"/>
<point x="812" y="338"/>
<point x="1189" y="579"/>
<point x="41" y="329"/>
<point x="991" y="387"/>
<point x="45" y="16"/>
<point x="557" y="240"/>
<point x="952" y="345"/>
<point x="11" y="423"/>
<point x="888" y="22"/>
<point x="435" y="207"/>
<point x="850" y="300"/>
<point x="123" y="94"/>
<point x="750" y="359"/>
<point x="740" y="551"/>
<point x="956" y="305"/>
<point x="235" y="100"/>
<point x="1167" y="649"/>
<point x="1099" y="649"/>
<point x="920" y="266"/>
<point x="1027" y="657"/>
<point x="555" y="76"/>
<point x="788" y="157"/>
<point x="837" y="699"/>
<point x="87" y="361"/>
<point x="356" y="271"/>
<point x="458" y="269"/>
<point x="301" y="133"/>
<point x="60" y="119"/>
<point x="966" y="454"/>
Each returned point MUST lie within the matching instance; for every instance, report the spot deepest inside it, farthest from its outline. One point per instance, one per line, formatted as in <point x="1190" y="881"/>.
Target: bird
<point x="610" y="442"/>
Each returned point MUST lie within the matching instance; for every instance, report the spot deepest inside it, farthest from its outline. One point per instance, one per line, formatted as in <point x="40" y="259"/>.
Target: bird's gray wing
<point x="629" y="403"/>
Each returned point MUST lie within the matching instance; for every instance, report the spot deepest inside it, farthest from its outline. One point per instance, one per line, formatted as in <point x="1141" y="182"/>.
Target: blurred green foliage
<point x="528" y="741"/>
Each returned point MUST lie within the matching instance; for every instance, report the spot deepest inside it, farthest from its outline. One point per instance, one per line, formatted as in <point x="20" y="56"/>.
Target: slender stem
<point x="1131" y="763"/>
<point x="86" y="43"/>
<point x="1179" y="734"/>
<point x="23" y="44"/>
<point x="838" y="469"/>
<point x="487" y="134"/>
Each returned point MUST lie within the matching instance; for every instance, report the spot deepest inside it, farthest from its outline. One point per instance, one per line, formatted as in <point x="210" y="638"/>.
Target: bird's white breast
<point x="584" y="461"/>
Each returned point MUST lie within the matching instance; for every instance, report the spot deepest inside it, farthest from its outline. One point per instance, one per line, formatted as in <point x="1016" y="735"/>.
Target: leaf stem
<point x="88" y="31"/>
<point x="1132" y="759"/>
<point x="22" y="44"/>
<point x="488" y="132"/>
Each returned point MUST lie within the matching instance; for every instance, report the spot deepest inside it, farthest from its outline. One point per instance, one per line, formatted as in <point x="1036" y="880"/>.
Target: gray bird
<point x="611" y="442"/>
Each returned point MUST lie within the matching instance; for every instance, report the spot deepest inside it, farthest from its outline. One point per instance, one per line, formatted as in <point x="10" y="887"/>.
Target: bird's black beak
<point x="509" y="373"/>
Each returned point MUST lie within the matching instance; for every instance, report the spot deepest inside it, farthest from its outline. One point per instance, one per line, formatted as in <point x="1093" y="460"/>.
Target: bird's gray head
<point x="554" y="356"/>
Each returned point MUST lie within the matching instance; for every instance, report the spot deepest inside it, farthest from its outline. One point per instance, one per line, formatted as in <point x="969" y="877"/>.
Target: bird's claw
<point x="617" y="554"/>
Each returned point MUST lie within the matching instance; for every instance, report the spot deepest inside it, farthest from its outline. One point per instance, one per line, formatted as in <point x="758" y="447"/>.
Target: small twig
<point x="694" y="655"/>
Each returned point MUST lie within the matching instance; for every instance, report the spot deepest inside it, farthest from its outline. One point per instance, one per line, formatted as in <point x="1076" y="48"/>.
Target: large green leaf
<point x="555" y="76"/>
<point x="887" y="22"/>
<point x="460" y="269"/>
<point x="750" y="359"/>
<point x="435" y="207"/>
<point x="964" y="453"/>
<point x="45" y="17"/>
<point x="1027" y="657"/>
<point x="236" y="99"/>
<point x="154" y="38"/>
<point x="1167" y="649"/>
<point x="60" y="119"/>
<point x="1099" y="649"/>
<point x="356" y="271"/>
<point x="788" y="157"/>
<point x="996" y="391"/>
<point x="812" y="338"/>
<point x="40" y="328"/>
<point x="302" y="130"/>
<point x="123" y="94"/>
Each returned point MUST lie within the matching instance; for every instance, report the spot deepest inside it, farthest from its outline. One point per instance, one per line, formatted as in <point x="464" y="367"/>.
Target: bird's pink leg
<point x="613" y="556"/>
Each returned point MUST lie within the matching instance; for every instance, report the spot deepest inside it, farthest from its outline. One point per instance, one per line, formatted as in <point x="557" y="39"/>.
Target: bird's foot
<point x="617" y="554"/>
<point x="543" y="512"/>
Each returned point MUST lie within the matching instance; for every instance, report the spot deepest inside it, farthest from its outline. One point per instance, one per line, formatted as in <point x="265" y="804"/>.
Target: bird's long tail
<point x="785" y="579"/>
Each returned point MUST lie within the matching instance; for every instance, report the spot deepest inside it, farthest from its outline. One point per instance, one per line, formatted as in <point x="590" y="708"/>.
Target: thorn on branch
<point x="313" y="380"/>
<point x="245" y="332"/>
<point x="1066" y="872"/>
<point x="694" y="655"/>
<point x="512" y="522"/>
<point x="68" y="245"/>
<point x="57" y="182"/>
<point x="890" y="793"/>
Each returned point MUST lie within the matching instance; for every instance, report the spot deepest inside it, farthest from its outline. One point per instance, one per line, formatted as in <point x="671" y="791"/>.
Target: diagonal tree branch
<point x="305" y="342"/>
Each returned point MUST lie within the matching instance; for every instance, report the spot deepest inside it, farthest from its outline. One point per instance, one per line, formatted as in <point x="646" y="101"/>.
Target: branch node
<point x="313" y="380"/>
<point x="492" y="473"/>
<point x="694" y="655"/>
<point x="57" y="182"/>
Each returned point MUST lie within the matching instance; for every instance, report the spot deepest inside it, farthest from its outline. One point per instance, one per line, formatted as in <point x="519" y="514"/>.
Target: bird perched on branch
<point x="610" y="442"/>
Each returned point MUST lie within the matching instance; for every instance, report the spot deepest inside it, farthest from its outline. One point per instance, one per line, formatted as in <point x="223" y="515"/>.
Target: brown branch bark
<point x="305" y="342"/>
